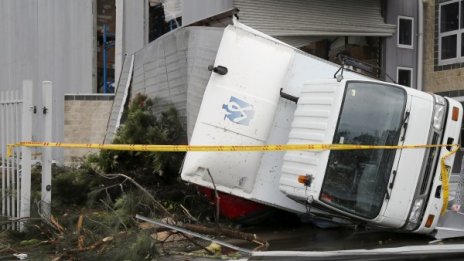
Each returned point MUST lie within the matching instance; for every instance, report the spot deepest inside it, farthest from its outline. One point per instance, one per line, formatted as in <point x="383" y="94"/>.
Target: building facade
<point x="401" y="50"/>
<point x="444" y="47"/>
<point x="444" y="53"/>
<point x="382" y="33"/>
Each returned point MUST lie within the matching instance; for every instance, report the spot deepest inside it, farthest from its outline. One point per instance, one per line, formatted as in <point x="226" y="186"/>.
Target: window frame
<point x="337" y="128"/>
<point x="459" y="32"/>
<point x="405" y="69"/>
<point x="412" y="32"/>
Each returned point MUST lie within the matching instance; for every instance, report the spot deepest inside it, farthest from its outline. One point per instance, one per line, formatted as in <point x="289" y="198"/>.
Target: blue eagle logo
<point x="238" y="111"/>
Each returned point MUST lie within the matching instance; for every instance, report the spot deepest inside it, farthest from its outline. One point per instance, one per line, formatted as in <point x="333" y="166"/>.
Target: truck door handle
<point x="222" y="70"/>
<point x="288" y="96"/>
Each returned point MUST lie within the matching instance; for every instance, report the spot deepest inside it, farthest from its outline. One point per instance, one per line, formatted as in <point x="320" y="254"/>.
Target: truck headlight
<point x="439" y="112"/>
<point x="415" y="213"/>
<point x="416" y="210"/>
<point x="438" y="116"/>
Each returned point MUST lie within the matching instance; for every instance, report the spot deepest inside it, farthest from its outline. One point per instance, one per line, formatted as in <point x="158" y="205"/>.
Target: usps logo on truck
<point x="238" y="111"/>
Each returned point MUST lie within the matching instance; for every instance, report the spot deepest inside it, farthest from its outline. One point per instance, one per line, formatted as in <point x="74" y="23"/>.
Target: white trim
<point x="460" y="99"/>
<point x="357" y="253"/>
<point x="457" y="98"/>
<point x="146" y="21"/>
<point x="126" y="94"/>
<point x="420" y="45"/>
<point x="458" y="32"/>
<point x="411" y="46"/>
<point x="89" y="94"/>
<point x="411" y="78"/>
<point x="119" y="41"/>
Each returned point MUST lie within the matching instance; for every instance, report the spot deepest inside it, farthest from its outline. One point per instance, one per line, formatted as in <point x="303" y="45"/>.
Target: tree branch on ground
<point x="114" y="211"/>
<point x="157" y="204"/>
<point x="217" y="231"/>
<point x="216" y="195"/>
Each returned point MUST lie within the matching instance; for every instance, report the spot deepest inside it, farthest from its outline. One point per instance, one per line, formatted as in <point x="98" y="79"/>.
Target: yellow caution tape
<point x="225" y="148"/>
<point x="232" y="148"/>
<point x="445" y="180"/>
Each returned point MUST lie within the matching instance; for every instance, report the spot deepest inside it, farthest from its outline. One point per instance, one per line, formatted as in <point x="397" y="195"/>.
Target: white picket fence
<point x="17" y="110"/>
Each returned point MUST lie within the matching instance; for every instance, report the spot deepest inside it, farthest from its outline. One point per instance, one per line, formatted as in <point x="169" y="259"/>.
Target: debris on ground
<point x="94" y="205"/>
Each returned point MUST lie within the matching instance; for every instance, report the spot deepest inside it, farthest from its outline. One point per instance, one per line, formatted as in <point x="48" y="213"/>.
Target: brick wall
<point x="438" y="79"/>
<point x="85" y="121"/>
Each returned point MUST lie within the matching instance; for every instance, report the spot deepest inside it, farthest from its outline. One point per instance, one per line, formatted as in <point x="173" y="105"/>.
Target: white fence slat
<point x="3" y="150"/>
<point x="26" y="135"/>
<point x="47" y="99"/>
<point x="8" y="160"/>
<point x="15" y="166"/>
<point x="18" y="156"/>
<point x="13" y="159"/>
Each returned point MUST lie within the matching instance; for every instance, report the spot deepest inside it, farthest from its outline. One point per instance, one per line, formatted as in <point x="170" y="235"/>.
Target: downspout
<point x="105" y="50"/>
<point x="420" y="44"/>
<point x="119" y="41"/>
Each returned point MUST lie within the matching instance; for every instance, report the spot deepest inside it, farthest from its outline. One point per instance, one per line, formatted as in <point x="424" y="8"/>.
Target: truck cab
<point x="394" y="188"/>
<point x="262" y="91"/>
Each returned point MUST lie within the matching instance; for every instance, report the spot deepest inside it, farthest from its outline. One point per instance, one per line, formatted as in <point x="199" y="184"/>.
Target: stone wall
<point x="447" y="79"/>
<point x="85" y="121"/>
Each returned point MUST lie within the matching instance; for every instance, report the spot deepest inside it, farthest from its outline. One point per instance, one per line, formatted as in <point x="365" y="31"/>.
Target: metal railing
<point x="15" y="124"/>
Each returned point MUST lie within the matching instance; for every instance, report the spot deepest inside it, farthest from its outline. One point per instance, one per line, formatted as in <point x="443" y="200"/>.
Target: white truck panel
<point x="266" y="188"/>
<point x="436" y="203"/>
<point x="305" y="68"/>
<point x="314" y="123"/>
<point x="238" y="109"/>
<point x="418" y="130"/>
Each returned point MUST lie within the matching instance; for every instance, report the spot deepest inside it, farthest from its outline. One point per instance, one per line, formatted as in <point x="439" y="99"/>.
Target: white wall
<point x="193" y="11"/>
<point x="135" y="25"/>
<point x="48" y="40"/>
<point x="131" y="29"/>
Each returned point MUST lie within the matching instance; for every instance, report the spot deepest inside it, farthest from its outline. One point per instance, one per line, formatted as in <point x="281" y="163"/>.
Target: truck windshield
<point x="356" y="180"/>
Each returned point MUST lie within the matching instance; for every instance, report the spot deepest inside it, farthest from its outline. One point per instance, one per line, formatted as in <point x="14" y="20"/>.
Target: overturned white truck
<point x="263" y="91"/>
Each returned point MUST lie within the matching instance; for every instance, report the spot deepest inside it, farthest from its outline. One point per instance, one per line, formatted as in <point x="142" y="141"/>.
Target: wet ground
<point x="287" y="235"/>
<point x="307" y="237"/>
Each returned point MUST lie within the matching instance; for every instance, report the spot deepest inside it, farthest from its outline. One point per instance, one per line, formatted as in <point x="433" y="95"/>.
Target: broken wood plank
<point x="188" y="232"/>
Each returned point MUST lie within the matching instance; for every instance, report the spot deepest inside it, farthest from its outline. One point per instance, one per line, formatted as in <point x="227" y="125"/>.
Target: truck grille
<point x="430" y="166"/>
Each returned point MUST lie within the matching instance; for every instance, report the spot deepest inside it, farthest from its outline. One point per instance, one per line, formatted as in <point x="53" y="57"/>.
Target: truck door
<point x="238" y="108"/>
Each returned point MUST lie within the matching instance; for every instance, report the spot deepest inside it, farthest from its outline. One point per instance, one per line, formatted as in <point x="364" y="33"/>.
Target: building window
<point x="405" y="32"/>
<point x="404" y="76"/>
<point x="451" y="32"/>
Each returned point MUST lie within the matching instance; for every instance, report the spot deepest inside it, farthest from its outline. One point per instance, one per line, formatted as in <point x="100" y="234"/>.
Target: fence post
<point x="15" y="118"/>
<point x="47" y="111"/>
<point x="3" y="149"/>
<point x="26" y="135"/>
<point x="9" y="135"/>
